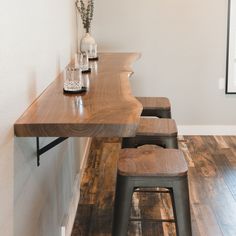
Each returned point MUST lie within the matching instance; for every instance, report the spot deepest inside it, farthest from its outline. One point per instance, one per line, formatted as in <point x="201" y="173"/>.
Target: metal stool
<point x="151" y="130"/>
<point x="155" y="106"/>
<point x="152" y="168"/>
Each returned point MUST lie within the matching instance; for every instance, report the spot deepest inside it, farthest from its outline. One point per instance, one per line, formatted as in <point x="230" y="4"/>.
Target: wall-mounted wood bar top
<point x="107" y="109"/>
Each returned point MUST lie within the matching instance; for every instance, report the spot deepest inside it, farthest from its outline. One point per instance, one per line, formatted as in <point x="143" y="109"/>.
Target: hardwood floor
<point x="212" y="180"/>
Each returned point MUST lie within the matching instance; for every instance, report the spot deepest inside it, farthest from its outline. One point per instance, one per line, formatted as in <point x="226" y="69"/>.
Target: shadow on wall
<point x="42" y="194"/>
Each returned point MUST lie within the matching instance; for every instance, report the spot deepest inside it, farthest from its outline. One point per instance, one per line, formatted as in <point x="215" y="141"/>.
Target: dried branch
<point x="86" y="13"/>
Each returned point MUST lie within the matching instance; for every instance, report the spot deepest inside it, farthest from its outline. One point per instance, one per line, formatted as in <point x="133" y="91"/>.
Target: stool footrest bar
<point x="153" y="220"/>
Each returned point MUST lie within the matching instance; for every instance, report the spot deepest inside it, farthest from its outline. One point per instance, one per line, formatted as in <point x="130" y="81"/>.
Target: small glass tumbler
<point x="73" y="80"/>
<point x="92" y="51"/>
<point x="83" y="62"/>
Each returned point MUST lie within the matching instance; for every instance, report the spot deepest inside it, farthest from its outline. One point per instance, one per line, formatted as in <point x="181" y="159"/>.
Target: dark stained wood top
<point x="153" y="126"/>
<point x="153" y="162"/>
<point x="161" y="103"/>
<point x="107" y="109"/>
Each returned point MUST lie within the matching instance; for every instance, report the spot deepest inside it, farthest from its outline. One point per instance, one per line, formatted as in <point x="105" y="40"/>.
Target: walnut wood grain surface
<point x="157" y="127"/>
<point x="161" y="103"/>
<point x="155" y="162"/>
<point x="107" y="109"/>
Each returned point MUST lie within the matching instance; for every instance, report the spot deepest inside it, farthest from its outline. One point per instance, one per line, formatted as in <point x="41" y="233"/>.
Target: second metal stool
<point x="155" y="106"/>
<point x="151" y="130"/>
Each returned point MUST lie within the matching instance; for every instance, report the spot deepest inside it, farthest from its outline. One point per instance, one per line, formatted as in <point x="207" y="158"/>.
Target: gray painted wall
<point x="183" y="46"/>
<point x="42" y="195"/>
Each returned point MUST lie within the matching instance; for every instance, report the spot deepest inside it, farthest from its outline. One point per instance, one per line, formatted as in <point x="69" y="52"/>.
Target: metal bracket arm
<point x="49" y="146"/>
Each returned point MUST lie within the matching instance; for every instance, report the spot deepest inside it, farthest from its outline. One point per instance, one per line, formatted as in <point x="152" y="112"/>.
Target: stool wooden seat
<point x="141" y="168"/>
<point x="155" y="106"/>
<point x="151" y="130"/>
<point x="155" y="162"/>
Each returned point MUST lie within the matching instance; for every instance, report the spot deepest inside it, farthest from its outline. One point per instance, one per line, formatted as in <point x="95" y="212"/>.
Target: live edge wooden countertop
<point x="108" y="109"/>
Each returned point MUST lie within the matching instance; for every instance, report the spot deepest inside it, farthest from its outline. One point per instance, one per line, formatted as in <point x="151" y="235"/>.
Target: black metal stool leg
<point x="182" y="207"/>
<point x="165" y="114"/>
<point x="122" y="207"/>
<point x="171" y="142"/>
<point x="128" y="143"/>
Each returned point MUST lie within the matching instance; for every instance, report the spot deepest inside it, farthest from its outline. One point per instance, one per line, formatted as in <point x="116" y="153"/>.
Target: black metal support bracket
<point x="49" y="146"/>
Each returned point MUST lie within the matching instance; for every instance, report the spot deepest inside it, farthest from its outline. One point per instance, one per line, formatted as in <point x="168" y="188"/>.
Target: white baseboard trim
<point x="69" y="219"/>
<point x="207" y="130"/>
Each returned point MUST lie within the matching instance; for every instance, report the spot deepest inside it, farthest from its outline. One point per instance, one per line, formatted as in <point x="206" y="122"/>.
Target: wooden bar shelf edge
<point x="107" y="109"/>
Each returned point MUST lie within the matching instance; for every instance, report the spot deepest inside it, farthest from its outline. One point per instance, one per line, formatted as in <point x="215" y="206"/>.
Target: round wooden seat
<point x="155" y="106"/>
<point x="154" y="162"/>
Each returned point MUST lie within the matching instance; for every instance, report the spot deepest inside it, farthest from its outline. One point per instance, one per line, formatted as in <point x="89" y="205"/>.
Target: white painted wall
<point x="183" y="46"/>
<point x="37" y="40"/>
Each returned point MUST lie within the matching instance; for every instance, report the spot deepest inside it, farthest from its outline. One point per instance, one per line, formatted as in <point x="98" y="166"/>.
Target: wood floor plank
<point x="135" y="227"/>
<point x="222" y="143"/>
<point x="82" y="224"/>
<point x="212" y="184"/>
<point x="215" y="174"/>
<point x="204" y="164"/>
<point x="183" y="146"/>
<point x="206" y="222"/>
<point x="90" y="179"/>
<point x="228" y="173"/>
<point x="231" y="141"/>
<point x="230" y="154"/>
<point x="107" y="175"/>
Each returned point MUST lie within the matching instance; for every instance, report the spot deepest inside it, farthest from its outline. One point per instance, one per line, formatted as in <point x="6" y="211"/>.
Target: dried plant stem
<point x="86" y="13"/>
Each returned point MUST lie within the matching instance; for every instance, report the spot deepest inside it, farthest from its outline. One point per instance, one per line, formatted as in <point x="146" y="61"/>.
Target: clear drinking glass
<point x="73" y="81"/>
<point x="83" y="62"/>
